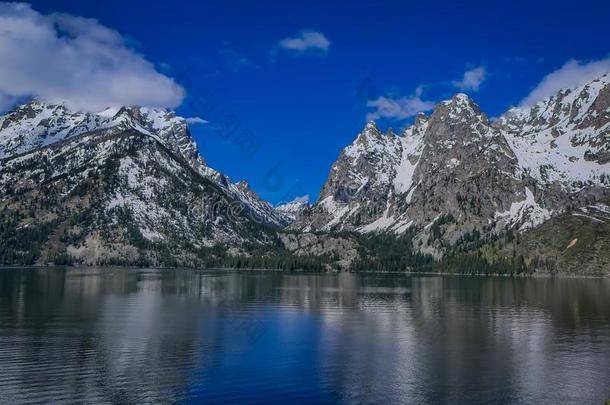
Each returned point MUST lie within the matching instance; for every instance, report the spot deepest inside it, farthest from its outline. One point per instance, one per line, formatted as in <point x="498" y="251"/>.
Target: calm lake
<point x="141" y="335"/>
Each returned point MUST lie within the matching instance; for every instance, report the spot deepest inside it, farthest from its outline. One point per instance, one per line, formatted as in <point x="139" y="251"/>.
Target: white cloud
<point x="572" y="74"/>
<point x="304" y="42"/>
<point x="195" y="120"/>
<point x="472" y="79"/>
<point x="398" y="108"/>
<point x="60" y="58"/>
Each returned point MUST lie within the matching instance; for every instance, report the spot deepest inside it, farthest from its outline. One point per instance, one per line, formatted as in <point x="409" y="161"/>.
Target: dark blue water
<point x="137" y="336"/>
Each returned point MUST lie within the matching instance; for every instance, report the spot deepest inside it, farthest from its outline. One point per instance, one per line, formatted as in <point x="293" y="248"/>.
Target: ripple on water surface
<point x="143" y="335"/>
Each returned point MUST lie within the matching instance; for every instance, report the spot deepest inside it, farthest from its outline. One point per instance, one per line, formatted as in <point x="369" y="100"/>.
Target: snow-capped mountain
<point x="35" y="125"/>
<point x="454" y="174"/>
<point x="134" y="176"/>
<point x="293" y="209"/>
<point x="128" y="185"/>
<point x="565" y="138"/>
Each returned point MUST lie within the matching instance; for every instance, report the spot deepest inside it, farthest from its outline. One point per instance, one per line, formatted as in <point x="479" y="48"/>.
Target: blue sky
<point x="298" y="79"/>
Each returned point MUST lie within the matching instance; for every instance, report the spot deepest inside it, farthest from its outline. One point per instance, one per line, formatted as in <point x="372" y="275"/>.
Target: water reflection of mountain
<point x="445" y="336"/>
<point x="93" y="336"/>
<point x="148" y="336"/>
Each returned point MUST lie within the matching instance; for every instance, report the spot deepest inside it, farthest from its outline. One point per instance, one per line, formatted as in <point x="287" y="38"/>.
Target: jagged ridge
<point x="458" y="171"/>
<point x="35" y="125"/>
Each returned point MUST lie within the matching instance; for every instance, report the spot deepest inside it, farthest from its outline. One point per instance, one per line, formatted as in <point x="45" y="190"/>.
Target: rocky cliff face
<point x="341" y="252"/>
<point x="455" y="176"/>
<point x="365" y="180"/>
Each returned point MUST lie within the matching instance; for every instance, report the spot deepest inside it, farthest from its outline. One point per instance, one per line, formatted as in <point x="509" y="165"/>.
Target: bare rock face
<point x="455" y="176"/>
<point x="309" y="244"/>
<point x="466" y="172"/>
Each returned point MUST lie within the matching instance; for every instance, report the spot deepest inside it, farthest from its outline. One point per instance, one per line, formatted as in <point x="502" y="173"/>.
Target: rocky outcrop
<point x="342" y="251"/>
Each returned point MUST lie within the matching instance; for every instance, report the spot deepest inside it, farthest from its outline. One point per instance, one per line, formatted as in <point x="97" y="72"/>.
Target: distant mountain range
<point x="128" y="186"/>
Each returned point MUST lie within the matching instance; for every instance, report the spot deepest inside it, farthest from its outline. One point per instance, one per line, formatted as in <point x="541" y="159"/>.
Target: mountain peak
<point x="370" y="133"/>
<point x="36" y="125"/>
<point x="461" y="100"/>
<point x="297" y="201"/>
<point x="371" y="126"/>
<point x="418" y="128"/>
<point x="460" y="107"/>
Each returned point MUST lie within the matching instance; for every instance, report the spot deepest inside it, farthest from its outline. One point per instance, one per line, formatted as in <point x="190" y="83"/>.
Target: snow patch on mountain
<point x="411" y="145"/>
<point x="565" y="138"/>
<point x="527" y="212"/>
<point x="293" y="209"/>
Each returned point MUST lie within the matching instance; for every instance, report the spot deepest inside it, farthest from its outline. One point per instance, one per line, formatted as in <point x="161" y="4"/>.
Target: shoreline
<point x="537" y="275"/>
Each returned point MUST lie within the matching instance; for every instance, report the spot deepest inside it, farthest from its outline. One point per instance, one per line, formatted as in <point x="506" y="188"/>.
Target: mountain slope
<point x="455" y="176"/>
<point x="120" y="186"/>
<point x="565" y="138"/>
<point x="576" y="242"/>
<point x="35" y="125"/>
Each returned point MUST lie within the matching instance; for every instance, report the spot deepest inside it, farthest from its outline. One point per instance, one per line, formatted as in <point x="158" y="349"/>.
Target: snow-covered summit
<point x="37" y="125"/>
<point x="526" y="167"/>
<point x="294" y="208"/>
